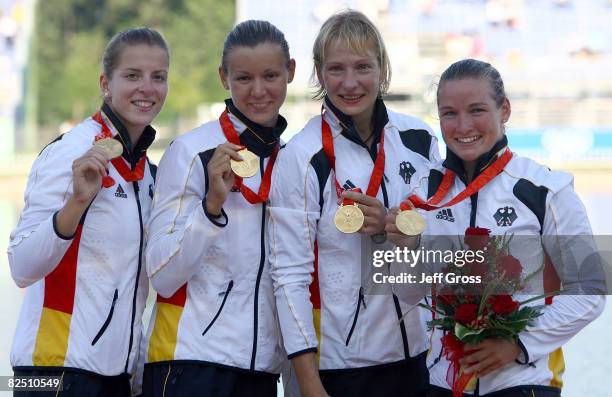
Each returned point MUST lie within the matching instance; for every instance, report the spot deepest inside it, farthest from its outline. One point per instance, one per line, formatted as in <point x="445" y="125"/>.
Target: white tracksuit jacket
<point x="215" y="303"/>
<point x="526" y="199"/>
<point x="85" y="294"/>
<point x="349" y="328"/>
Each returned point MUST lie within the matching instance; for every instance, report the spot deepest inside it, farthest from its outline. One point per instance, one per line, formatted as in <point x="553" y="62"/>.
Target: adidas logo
<point x="120" y="192"/>
<point x="348" y="185"/>
<point x="445" y="214"/>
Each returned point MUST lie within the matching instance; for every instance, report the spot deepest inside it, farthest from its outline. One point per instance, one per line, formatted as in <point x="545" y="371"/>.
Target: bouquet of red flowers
<point x="470" y="313"/>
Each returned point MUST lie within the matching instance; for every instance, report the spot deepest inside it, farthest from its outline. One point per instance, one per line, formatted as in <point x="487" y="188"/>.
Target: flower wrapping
<point x="469" y="313"/>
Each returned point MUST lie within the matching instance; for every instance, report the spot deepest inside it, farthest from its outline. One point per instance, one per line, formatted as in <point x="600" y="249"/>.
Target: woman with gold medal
<point x="481" y="183"/>
<point x="79" y="246"/>
<point x="330" y="190"/>
<point x="213" y="330"/>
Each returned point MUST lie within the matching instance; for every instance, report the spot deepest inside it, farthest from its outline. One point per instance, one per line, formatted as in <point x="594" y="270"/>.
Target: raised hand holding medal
<point x="221" y="178"/>
<point x="372" y="209"/>
<point x="248" y="166"/>
<point x="88" y="172"/>
<point x="396" y="236"/>
<point x="408" y="220"/>
<point x="349" y="218"/>
<point x="111" y="147"/>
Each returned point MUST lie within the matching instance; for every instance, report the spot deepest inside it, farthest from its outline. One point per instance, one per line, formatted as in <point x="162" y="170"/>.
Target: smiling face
<point x="137" y="87"/>
<point x="257" y="78"/>
<point x="351" y="80"/>
<point x="470" y="120"/>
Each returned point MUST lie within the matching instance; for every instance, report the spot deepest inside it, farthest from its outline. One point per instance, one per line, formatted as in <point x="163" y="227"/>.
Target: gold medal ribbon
<point x="411" y="223"/>
<point x="377" y="171"/>
<point x="130" y="175"/>
<point x="447" y="182"/>
<point x="264" y="188"/>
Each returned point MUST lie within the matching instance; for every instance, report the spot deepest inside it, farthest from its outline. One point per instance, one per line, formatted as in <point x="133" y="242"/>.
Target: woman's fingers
<point x="219" y="164"/>
<point x="220" y="170"/>
<point x="92" y="161"/>
<point x="227" y="151"/>
<point x="390" y="226"/>
<point x="490" y="355"/>
<point x="362" y="199"/>
<point x="372" y="209"/>
<point x="220" y="174"/>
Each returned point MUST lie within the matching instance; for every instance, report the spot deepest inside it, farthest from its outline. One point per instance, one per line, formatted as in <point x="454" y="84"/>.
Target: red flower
<point x="448" y="300"/>
<point x="479" y="269"/>
<point x="446" y="290"/>
<point x="477" y="238"/>
<point x="447" y="297"/>
<point x="510" y="266"/>
<point x="469" y="298"/>
<point x="466" y="313"/>
<point x="503" y="304"/>
<point x="477" y="231"/>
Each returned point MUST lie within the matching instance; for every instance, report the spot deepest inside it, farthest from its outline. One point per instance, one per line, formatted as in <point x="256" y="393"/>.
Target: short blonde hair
<point x="355" y="31"/>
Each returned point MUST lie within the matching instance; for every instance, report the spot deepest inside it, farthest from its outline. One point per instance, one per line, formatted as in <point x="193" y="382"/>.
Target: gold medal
<point x="248" y="166"/>
<point x="410" y="222"/>
<point x="112" y="148"/>
<point x="348" y="218"/>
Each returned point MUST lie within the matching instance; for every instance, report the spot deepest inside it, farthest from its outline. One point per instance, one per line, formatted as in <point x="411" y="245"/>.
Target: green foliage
<point x="462" y="332"/>
<point x="71" y="36"/>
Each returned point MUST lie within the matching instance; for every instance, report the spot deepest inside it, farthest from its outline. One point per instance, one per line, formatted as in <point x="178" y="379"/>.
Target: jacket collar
<point x="345" y="125"/>
<point x="455" y="164"/>
<point x="120" y="132"/>
<point x="257" y="138"/>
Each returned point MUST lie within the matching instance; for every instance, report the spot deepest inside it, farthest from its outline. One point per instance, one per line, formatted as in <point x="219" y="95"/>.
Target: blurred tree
<point x="71" y="35"/>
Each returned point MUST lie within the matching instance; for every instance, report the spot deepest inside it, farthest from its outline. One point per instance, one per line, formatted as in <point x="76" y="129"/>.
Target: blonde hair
<point x="355" y="31"/>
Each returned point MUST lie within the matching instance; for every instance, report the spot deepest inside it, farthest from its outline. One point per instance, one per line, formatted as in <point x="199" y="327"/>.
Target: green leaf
<point x="431" y="308"/>
<point x="461" y="331"/>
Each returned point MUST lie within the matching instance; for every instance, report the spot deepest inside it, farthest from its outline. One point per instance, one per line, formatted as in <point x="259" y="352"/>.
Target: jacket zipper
<point x="437" y="359"/>
<point x="262" y="260"/>
<point x="398" y="308"/>
<point x="137" y="195"/>
<point x="474" y="208"/>
<point x="384" y="192"/>
<point x="360" y="301"/>
<point x="227" y="291"/>
<point x="108" y="319"/>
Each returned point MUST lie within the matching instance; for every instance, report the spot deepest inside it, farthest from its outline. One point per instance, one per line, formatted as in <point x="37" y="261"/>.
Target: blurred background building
<point x="555" y="57"/>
